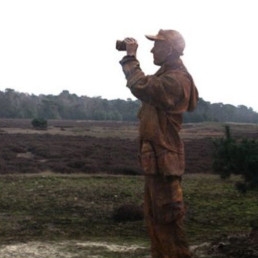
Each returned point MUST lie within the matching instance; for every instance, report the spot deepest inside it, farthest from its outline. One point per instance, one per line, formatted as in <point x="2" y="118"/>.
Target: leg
<point x="149" y="220"/>
<point x="164" y="213"/>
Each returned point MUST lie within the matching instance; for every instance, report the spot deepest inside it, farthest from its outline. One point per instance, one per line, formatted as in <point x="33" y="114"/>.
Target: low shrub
<point x="128" y="212"/>
<point x="39" y="123"/>
<point x="239" y="158"/>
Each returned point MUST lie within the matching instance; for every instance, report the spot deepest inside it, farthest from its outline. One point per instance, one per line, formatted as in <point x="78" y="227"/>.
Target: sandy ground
<point x="65" y="249"/>
<point x="72" y="249"/>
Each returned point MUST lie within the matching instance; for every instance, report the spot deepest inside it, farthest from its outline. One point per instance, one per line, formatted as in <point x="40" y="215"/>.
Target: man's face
<point x="160" y="51"/>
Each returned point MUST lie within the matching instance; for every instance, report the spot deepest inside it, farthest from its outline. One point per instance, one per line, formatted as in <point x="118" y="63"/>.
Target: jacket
<point x="165" y="96"/>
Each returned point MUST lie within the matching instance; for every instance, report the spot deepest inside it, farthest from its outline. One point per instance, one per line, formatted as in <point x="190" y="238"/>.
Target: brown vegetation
<point x="97" y="147"/>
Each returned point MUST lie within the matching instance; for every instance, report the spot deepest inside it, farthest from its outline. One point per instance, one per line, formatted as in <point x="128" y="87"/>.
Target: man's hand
<point x="131" y="46"/>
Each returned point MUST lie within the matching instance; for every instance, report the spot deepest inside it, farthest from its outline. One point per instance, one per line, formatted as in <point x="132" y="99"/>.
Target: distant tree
<point x="70" y="106"/>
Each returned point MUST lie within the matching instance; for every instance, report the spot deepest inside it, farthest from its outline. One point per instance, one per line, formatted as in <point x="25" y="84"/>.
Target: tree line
<point x="15" y="104"/>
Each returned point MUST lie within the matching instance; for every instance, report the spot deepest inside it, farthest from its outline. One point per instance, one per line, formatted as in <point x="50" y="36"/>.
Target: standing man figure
<point x="164" y="96"/>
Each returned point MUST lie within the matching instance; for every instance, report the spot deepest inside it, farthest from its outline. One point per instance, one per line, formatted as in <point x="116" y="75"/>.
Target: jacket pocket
<point x="147" y="159"/>
<point x="148" y="162"/>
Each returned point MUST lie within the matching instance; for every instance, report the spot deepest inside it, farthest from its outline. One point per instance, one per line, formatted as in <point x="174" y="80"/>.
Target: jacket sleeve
<point x="165" y="91"/>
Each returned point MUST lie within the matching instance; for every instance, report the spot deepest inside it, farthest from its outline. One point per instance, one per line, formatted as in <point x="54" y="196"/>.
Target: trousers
<point x="164" y="213"/>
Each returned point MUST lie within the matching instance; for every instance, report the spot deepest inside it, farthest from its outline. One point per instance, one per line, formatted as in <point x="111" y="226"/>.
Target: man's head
<point x="167" y="43"/>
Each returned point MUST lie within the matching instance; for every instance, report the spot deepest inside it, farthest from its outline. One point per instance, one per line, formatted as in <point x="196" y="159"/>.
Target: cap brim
<point x="157" y="37"/>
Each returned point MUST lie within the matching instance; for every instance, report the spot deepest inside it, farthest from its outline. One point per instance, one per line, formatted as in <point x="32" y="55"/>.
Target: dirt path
<point x="65" y="249"/>
<point x="72" y="249"/>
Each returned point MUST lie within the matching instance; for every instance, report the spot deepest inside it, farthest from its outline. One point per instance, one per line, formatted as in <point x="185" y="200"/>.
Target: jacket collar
<point x="171" y="65"/>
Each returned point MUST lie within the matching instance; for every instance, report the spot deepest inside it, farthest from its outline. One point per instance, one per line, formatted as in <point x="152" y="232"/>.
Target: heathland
<point x="79" y="181"/>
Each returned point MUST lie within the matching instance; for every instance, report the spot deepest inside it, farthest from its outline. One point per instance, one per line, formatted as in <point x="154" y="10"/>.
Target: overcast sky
<point x="47" y="46"/>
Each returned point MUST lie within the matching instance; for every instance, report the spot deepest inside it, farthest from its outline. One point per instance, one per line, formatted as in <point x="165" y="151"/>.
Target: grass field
<point x="80" y="207"/>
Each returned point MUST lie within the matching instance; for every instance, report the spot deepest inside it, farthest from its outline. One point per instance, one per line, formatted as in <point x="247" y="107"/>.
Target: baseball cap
<point x="171" y="36"/>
